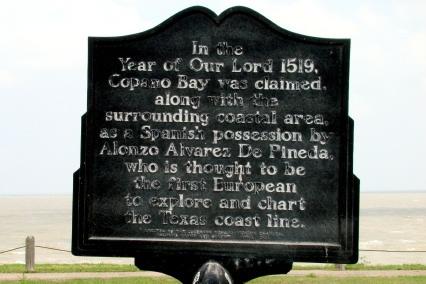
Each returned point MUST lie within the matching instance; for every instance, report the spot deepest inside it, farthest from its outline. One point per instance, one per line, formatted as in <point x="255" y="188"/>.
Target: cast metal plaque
<point x="217" y="136"/>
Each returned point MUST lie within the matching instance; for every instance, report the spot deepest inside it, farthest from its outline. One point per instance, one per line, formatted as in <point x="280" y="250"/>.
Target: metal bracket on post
<point x="212" y="272"/>
<point x="186" y="268"/>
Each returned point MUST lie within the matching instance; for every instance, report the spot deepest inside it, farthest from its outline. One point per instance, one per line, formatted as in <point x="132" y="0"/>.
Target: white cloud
<point x="54" y="35"/>
<point x="417" y="45"/>
<point x="308" y="17"/>
<point x="46" y="41"/>
<point x="372" y="19"/>
<point x="8" y="79"/>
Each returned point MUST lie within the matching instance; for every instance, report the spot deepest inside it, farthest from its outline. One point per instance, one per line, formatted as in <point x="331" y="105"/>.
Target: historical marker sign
<point x="219" y="137"/>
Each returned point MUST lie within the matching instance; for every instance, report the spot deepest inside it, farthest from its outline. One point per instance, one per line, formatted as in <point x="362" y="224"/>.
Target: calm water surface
<point x="388" y="221"/>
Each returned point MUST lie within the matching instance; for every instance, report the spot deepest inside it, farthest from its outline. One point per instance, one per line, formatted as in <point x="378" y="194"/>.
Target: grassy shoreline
<point x="86" y="267"/>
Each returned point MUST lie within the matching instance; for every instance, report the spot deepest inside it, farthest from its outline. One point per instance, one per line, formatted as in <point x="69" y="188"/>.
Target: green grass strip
<point x="64" y="268"/>
<point x="132" y="280"/>
<point x="362" y="267"/>
<point x="310" y="279"/>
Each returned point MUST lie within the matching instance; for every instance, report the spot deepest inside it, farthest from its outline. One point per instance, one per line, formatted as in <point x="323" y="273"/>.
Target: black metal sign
<point x="221" y="137"/>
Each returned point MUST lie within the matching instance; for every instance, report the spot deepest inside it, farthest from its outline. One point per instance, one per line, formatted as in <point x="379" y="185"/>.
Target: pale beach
<point x="388" y="222"/>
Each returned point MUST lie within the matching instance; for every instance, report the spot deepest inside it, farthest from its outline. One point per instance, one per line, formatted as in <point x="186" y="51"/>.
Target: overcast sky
<point x="43" y="81"/>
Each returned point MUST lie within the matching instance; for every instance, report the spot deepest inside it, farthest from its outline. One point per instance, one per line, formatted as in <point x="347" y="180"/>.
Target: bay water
<point x="388" y="221"/>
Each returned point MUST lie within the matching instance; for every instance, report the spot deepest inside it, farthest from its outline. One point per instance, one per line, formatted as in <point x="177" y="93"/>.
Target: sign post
<point x="217" y="138"/>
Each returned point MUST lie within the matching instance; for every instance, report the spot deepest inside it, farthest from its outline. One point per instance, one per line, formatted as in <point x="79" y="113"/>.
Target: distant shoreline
<point x="68" y="195"/>
<point x="388" y="221"/>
